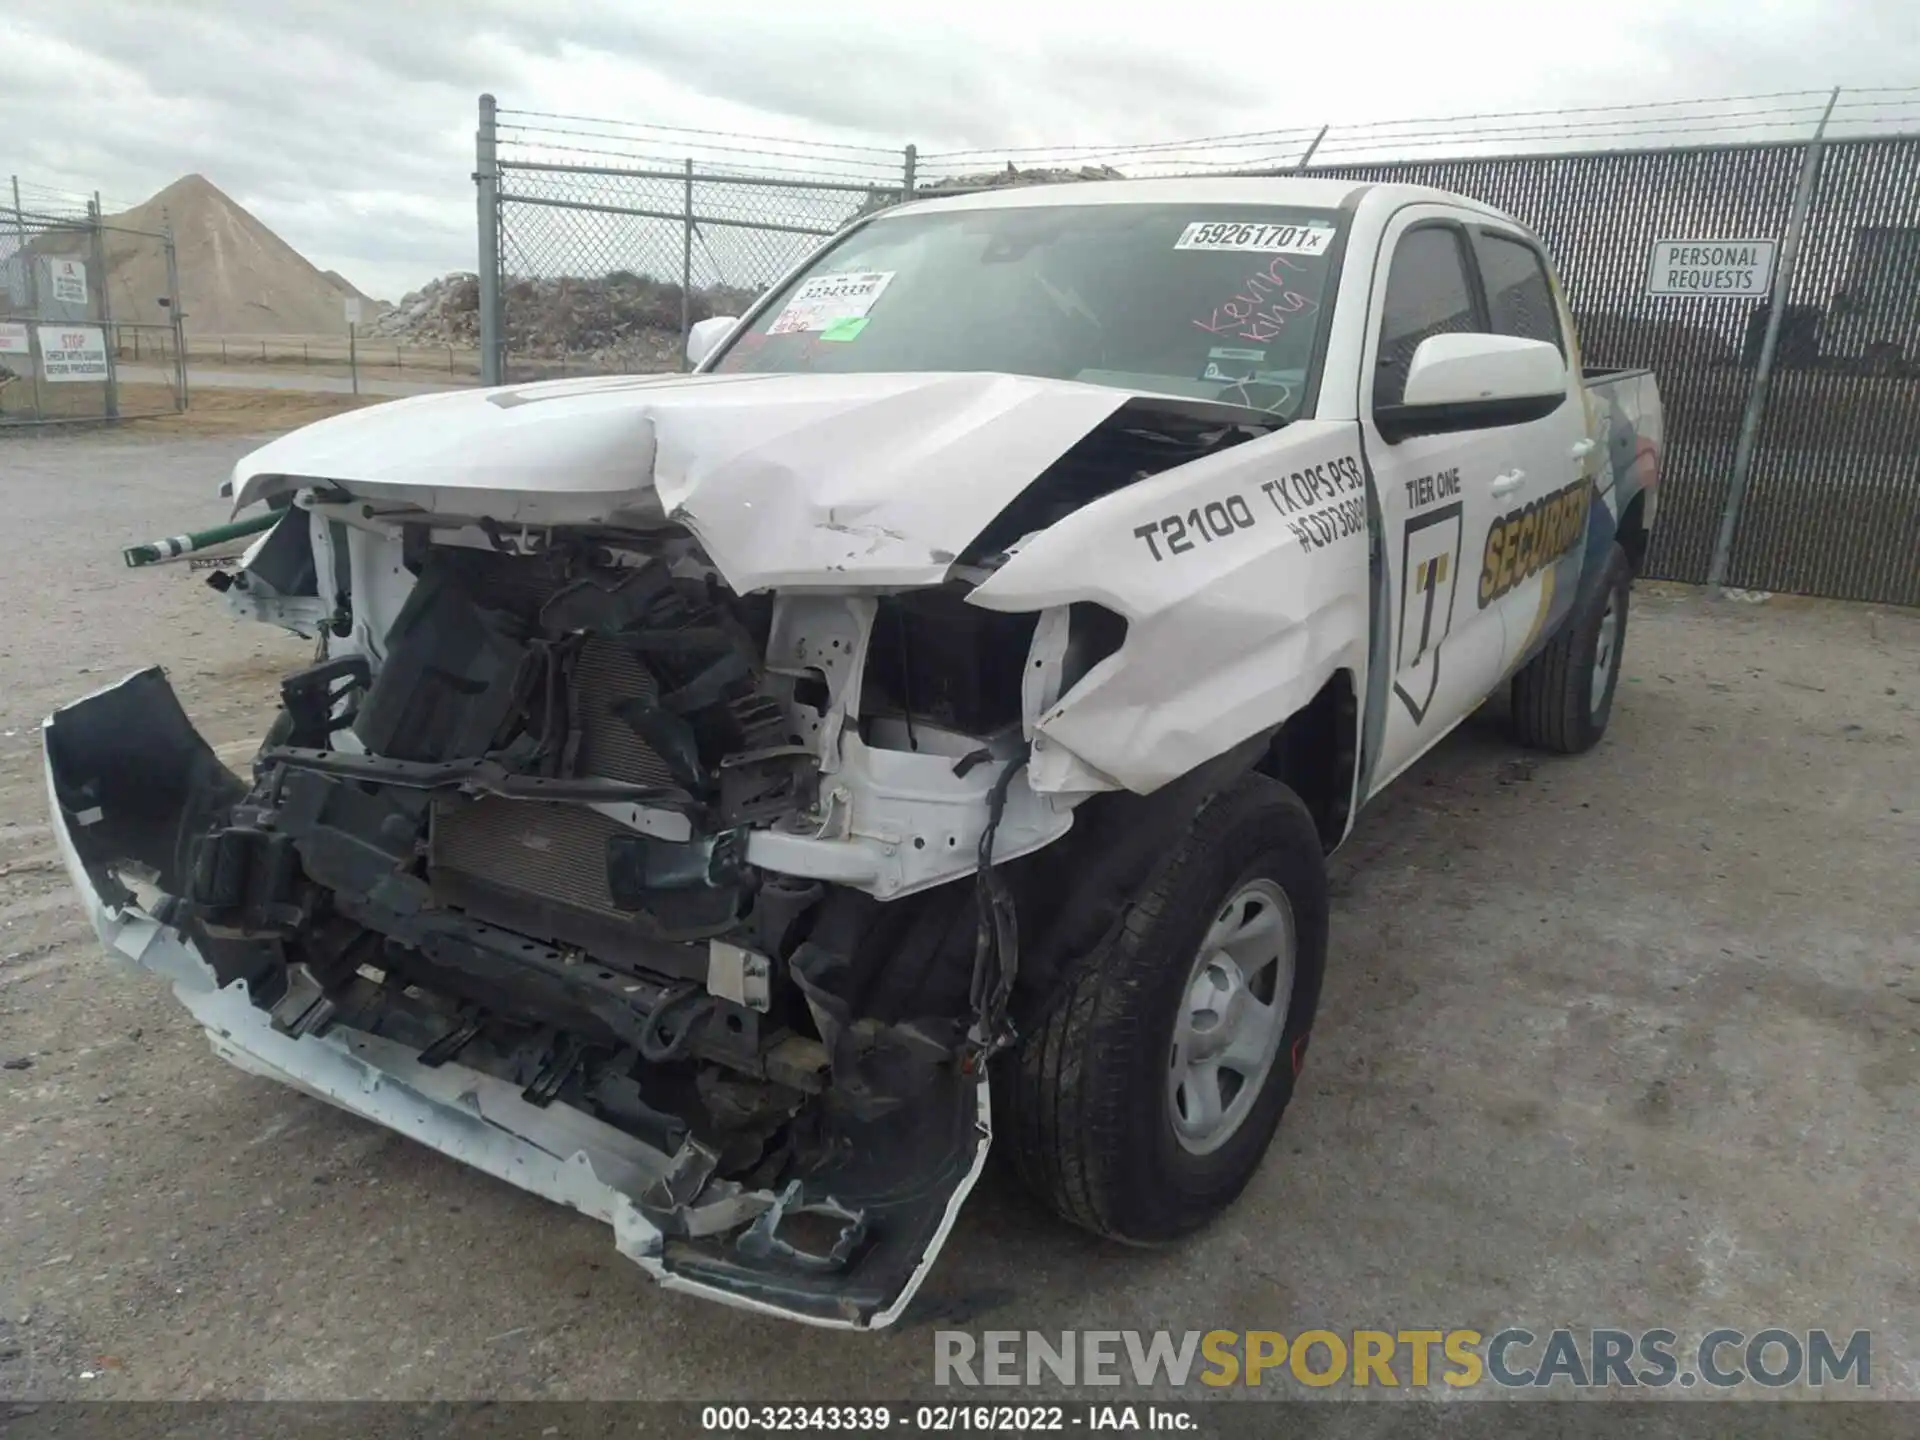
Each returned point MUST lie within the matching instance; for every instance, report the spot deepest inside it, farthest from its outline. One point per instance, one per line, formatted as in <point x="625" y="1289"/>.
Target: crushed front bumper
<point x="555" y="1151"/>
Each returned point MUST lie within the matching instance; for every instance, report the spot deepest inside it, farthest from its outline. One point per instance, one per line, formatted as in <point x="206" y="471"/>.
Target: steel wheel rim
<point x="1606" y="653"/>
<point x="1233" y="1010"/>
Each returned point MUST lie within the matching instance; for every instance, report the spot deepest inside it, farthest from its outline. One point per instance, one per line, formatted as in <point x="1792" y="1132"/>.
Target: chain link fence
<point x="602" y="268"/>
<point x="1793" y="442"/>
<point x="76" y="295"/>
<point x="1830" y="417"/>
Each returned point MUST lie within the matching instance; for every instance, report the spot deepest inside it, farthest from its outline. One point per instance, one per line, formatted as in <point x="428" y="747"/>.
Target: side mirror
<point x="1475" y="382"/>
<point x="705" y="336"/>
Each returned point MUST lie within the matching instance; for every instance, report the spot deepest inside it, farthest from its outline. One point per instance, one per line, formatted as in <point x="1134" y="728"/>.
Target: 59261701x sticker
<point x="1286" y="239"/>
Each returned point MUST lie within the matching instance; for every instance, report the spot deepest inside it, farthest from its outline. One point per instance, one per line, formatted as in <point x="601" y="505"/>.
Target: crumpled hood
<point x="788" y="480"/>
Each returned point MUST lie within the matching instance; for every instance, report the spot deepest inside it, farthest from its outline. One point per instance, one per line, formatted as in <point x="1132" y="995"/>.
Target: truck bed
<point x="1626" y="410"/>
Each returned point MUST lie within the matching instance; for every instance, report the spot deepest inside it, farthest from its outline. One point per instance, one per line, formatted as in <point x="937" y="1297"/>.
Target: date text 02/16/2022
<point x="943" y="1419"/>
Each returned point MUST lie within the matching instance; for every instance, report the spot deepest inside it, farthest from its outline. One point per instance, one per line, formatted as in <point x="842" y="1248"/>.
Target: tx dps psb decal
<point x="1430" y="571"/>
<point x="1524" y="542"/>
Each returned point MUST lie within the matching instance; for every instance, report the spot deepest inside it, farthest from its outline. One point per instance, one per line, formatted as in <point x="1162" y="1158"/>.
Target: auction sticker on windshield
<point x="1269" y="239"/>
<point x="827" y="299"/>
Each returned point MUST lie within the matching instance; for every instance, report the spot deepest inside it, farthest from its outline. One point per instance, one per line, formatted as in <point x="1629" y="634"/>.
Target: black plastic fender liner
<point x="1093" y="872"/>
<point x="135" y="781"/>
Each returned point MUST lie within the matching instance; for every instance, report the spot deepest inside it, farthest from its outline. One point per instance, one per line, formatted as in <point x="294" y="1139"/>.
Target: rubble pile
<point x="621" y="320"/>
<point x="1012" y="175"/>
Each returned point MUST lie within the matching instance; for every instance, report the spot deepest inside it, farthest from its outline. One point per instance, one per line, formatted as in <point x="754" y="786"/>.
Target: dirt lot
<point x="219" y="410"/>
<point x="1626" y="1040"/>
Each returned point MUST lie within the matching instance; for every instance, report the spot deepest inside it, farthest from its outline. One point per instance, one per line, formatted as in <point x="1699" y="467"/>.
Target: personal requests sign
<point x="1737" y="269"/>
<point x="73" y="352"/>
<point x="13" y="339"/>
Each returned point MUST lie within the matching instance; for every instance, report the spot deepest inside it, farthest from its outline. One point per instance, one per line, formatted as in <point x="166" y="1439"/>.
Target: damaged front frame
<point x="689" y="1230"/>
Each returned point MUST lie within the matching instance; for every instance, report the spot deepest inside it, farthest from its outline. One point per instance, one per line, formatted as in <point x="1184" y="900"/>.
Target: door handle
<point x="1582" y="449"/>
<point x="1508" y="483"/>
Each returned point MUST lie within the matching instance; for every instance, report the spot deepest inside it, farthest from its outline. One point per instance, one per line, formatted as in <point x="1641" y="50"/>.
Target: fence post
<point x="686" y="271"/>
<point x="1301" y="168"/>
<point x="907" y="176"/>
<point x="106" y="309"/>
<point x="27" y="259"/>
<point x="1755" y="414"/>
<point x="486" y="179"/>
<point x="178" y="320"/>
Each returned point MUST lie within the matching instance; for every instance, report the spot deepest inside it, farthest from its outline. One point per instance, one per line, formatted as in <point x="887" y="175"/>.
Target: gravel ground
<point x="1632" y="1039"/>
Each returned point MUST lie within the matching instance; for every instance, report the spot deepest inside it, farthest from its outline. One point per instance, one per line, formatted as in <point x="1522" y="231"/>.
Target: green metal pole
<point x="174" y="546"/>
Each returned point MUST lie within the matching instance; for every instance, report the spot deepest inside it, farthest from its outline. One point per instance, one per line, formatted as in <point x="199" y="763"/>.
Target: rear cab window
<point x="1519" y="297"/>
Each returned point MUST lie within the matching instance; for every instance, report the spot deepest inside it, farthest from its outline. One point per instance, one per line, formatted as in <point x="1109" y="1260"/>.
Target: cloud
<point x="348" y="127"/>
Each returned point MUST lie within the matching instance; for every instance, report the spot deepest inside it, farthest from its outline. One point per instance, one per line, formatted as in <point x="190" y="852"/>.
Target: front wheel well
<point x="1315" y="752"/>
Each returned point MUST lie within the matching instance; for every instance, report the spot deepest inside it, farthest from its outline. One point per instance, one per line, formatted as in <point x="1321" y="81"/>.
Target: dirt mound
<point x="622" y="319"/>
<point x="236" y="276"/>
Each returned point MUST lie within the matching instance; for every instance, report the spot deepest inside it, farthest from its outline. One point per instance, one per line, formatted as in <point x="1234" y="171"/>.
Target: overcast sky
<point x="347" y="125"/>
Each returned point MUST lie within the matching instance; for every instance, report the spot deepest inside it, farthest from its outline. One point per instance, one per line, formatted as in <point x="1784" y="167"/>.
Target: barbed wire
<point x="1202" y="142"/>
<point x="1637" y="126"/>
<point x="53" y="200"/>
<point x="675" y="165"/>
<point x="759" y="147"/>
<point x="689" y="130"/>
<point x="719" y="151"/>
<point x="527" y="140"/>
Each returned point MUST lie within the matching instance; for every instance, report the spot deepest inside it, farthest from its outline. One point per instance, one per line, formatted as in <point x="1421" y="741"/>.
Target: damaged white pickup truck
<point x="719" y="800"/>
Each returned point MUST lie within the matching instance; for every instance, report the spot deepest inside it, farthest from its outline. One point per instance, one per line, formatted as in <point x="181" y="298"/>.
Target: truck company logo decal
<point x="1523" y="542"/>
<point x="1430" y="567"/>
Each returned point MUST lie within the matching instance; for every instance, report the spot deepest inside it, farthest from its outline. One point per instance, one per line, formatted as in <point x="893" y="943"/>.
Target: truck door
<point x="1438" y="496"/>
<point x="1529" y="564"/>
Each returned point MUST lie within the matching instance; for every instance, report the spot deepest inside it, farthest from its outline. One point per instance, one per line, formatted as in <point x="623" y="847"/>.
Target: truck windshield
<point x="1211" y="302"/>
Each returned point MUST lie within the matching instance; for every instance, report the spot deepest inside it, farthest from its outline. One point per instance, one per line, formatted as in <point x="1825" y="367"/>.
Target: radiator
<point x="537" y="848"/>
<point x="603" y="676"/>
<point x="554" y="852"/>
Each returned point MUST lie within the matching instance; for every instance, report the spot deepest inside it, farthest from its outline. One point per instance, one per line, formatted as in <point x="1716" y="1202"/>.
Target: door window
<point x="1519" y="300"/>
<point x="1428" y="293"/>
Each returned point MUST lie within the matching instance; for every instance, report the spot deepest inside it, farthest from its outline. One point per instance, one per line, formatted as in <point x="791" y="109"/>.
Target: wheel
<point x="1140" y="1102"/>
<point x="1563" y="696"/>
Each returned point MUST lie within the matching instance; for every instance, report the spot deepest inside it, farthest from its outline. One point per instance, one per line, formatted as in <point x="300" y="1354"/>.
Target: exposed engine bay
<point x="708" y="892"/>
<point x="585" y="831"/>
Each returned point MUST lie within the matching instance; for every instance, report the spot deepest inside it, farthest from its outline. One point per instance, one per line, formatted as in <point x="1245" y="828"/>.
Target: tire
<point x="1095" y="1095"/>
<point x="1562" y="698"/>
